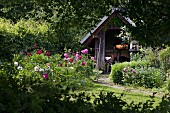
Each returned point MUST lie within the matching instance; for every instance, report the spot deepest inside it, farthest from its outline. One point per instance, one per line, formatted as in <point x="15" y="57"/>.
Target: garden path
<point x="104" y="79"/>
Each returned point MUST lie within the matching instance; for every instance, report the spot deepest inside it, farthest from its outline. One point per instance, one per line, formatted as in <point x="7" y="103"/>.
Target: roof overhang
<point x="85" y="41"/>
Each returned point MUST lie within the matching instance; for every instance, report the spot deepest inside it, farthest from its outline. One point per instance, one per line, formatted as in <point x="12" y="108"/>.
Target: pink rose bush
<point x="67" y="69"/>
<point x="65" y="55"/>
<point x="85" y="51"/>
<point x="142" y="76"/>
<point x="129" y="74"/>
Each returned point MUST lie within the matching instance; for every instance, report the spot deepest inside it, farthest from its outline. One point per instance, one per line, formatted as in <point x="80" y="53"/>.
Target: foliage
<point x="40" y="66"/>
<point x="23" y="34"/>
<point x="156" y="57"/>
<point x="148" y="54"/>
<point x="153" y="28"/>
<point x="49" y="97"/>
<point x="24" y="90"/>
<point x="143" y="70"/>
<point x="151" y="55"/>
<point x="83" y="15"/>
<point x="135" y="56"/>
<point x="20" y="36"/>
<point x="165" y="59"/>
<point x="116" y="72"/>
<point x="146" y="77"/>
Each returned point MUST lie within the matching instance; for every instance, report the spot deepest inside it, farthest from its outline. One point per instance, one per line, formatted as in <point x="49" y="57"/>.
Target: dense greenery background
<point x="58" y="26"/>
<point x="72" y="19"/>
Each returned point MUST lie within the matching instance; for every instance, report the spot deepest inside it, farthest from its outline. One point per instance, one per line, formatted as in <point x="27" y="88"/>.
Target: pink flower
<point x="39" y="51"/>
<point x="124" y="69"/>
<point x="85" y="51"/>
<point x="92" y="58"/>
<point x="77" y="55"/>
<point x="28" y="54"/>
<point x="83" y="63"/>
<point x="133" y="71"/>
<point x="65" y="58"/>
<point x="47" y="53"/>
<point x="77" y="58"/>
<point x="71" y="60"/>
<point x="65" y="55"/>
<point x="45" y="75"/>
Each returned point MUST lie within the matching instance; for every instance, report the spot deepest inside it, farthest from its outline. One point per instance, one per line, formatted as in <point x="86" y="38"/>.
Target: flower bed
<point x="70" y="69"/>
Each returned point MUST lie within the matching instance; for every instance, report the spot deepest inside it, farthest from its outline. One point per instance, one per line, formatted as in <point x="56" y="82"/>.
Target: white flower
<point x="71" y="67"/>
<point x="41" y="70"/>
<point x="48" y="67"/>
<point x="15" y="63"/>
<point x="36" y="68"/>
<point x="19" y="67"/>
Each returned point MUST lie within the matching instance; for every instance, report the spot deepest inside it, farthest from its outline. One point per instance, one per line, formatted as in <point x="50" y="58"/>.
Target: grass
<point x="128" y="96"/>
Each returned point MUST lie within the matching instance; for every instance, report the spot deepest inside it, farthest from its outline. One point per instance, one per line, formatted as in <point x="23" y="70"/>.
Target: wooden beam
<point x="101" y="53"/>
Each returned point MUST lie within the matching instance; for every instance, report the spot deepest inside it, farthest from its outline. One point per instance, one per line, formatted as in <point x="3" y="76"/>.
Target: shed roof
<point x="103" y="20"/>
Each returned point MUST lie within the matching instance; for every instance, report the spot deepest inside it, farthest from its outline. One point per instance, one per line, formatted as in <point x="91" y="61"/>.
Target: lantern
<point x="134" y="46"/>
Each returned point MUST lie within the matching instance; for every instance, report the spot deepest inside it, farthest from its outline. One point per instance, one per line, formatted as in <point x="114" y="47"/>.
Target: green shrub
<point x="151" y="55"/>
<point x="21" y="35"/>
<point x="40" y="66"/>
<point x="167" y="84"/>
<point x="48" y="97"/>
<point x="164" y="55"/>
<point x="139" y="64"/>
<point x="116" y="71"/>
<point x="145" y="77"/>
<point x="135" y="56"/>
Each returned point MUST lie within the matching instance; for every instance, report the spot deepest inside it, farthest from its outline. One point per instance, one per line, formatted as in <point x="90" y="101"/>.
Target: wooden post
<point x="100" y="52"/>
<point x="102" y="49"/>
<point x="97" y="52"/>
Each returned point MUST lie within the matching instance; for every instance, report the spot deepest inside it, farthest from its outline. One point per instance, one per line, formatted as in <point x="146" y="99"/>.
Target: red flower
<point x="60" y="65"/>
<point x="47" y="53"/>
<point x="71" y="60"/>
<point x="28" y="54"/>
<point x="39" y="51"/>
<point x="74" y="54"/>
<point x="80" y="57"/>
<point x="35" y="45"/>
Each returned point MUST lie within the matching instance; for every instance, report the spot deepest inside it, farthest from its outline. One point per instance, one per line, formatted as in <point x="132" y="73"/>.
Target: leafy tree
<point x="152" y="20"/>
<point x="69" y="20"/>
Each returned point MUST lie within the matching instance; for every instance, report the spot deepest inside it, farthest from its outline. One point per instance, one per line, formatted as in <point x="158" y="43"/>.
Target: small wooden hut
<point x="106" y="46"/>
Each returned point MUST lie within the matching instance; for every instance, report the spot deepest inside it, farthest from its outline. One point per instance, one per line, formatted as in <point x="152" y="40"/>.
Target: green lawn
<point x="127" y="95"/>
